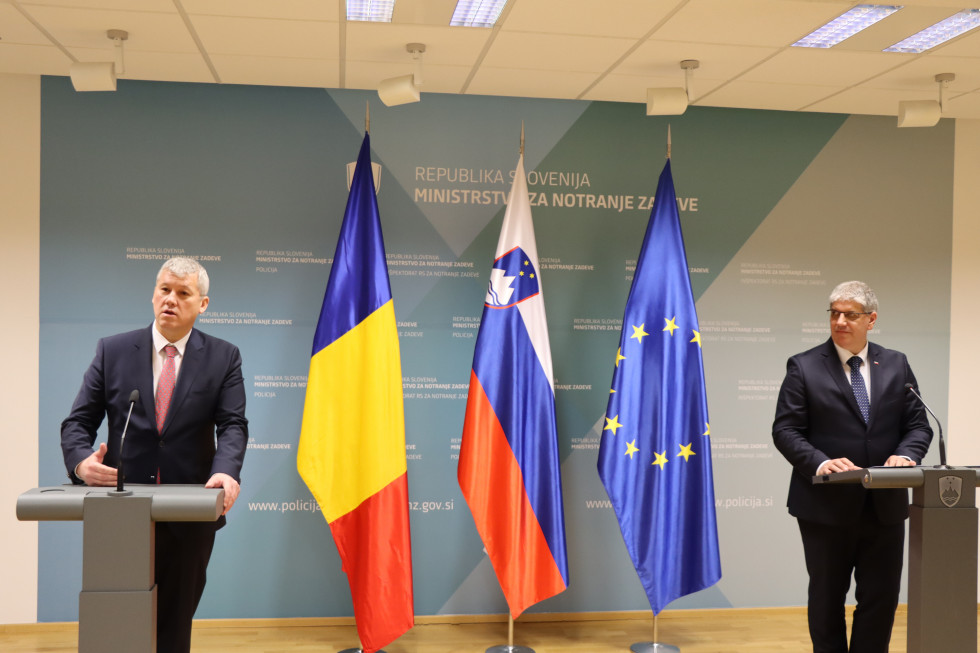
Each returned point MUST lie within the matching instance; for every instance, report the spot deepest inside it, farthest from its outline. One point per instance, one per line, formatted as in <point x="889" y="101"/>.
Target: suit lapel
<point x="144" y="372"/>
<point x="875" y="372"/>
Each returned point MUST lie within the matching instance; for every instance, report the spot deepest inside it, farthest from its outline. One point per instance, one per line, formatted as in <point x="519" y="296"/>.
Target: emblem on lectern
<point x="950" y="490"/>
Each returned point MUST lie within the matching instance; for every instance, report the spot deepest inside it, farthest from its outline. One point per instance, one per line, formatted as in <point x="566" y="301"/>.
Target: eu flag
<point x="655" y="452"/>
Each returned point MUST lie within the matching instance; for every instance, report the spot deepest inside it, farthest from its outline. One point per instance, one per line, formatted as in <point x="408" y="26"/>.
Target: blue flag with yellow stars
<point x="655" y="452"/>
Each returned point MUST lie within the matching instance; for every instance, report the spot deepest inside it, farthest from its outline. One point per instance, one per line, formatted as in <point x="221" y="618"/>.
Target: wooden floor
<point x="766" y="630"/>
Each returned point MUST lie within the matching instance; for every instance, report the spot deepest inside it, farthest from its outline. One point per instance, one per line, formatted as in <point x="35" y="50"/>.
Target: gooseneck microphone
<point x="134" y="396"/>
<point x="942" y="442"/>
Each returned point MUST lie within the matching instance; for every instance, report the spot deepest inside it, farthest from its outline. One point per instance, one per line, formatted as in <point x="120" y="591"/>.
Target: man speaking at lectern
<point x="187" y="426"/>
<point x="843" y="406"/>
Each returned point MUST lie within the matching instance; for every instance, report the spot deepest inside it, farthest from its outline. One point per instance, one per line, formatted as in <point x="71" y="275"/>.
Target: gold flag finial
<point x="522" y="138"/>
<point x="367" y="117"/>
<point x="668" y="141"/>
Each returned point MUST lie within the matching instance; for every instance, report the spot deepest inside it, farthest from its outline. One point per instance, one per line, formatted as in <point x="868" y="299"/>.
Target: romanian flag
<point x="352" y="444"/>
<point x="655" y="453"/>
<point x="509" y="469"/>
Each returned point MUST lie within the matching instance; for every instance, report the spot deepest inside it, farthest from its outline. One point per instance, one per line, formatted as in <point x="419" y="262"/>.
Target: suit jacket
<point x="817" y="419"/>
<point x="205" y="431"/>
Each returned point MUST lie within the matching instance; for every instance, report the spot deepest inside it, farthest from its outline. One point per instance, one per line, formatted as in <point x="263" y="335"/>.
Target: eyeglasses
<point x="850" y="316"/>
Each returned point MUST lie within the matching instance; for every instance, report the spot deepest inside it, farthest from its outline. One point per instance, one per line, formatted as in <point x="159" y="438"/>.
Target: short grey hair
<point x="183" y="266"/>
<point x="855" y="291"/>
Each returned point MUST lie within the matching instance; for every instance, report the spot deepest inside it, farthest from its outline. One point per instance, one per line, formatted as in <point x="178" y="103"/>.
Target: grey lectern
<point x="117" y="604"/>
<point x="942" y="614"/>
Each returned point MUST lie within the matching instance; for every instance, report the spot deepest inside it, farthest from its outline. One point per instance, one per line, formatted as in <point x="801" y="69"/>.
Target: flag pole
<point x="367" y="117"/>
<point x="668" y="141"/>
<point x="654" y="646"/>
<point x="509" y="647"/>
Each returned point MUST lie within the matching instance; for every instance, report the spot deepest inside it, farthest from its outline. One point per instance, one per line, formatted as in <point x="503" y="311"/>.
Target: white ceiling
<point x="582" y="49"/>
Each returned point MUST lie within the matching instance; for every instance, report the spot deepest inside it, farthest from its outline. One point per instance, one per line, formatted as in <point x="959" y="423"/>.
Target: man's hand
<point x="899" y="461"/>
<point x="229" y="485"/>
<point x="93" y="472"/>
<point x="837" y="465"/>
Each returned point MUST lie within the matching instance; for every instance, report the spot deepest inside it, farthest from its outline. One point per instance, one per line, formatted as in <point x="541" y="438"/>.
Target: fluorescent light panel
<point x="941" y="32"/>
<point x="375" y="11"/>
<point x="477" y="13"/>
<point x="846" y="25"/>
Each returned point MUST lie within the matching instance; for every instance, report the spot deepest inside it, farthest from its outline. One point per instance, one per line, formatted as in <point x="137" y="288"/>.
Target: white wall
<point x="20" y="246"/>
<point x="964" y="359"/>
<point x="20" y="206"/>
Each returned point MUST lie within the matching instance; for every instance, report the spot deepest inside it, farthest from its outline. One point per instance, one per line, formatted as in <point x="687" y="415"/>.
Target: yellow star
<point x="631" y="449"/>
<point x="619" y="356"/>
<point x="522" y="273"/>
<point x="696" y="338"/>
<point x="660" y="460"/>
<point x="532" y="275"/>
<point x="671" y="325"/>
<point x="527" y="263"/>
<point x="612" y="424"/>
<point x="686" y="451"/>
<point x="707" y="429"/>
<point x="611" y="391"/>
<point x="638" y="333"/>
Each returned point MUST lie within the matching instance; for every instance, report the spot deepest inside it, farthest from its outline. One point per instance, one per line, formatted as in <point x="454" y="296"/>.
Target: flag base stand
<point x="357" y="650"/>
<point x="653" y="647"/>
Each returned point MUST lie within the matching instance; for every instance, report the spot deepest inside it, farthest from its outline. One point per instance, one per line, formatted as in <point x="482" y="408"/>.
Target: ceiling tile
<point x="760" y="95"/>
<point x="15" y="28"/>
<point x="283" y="71"/>
<point x="386" y="43"/>
<point x="749" y="22"/>
<point x="527" y="83"/>
<point x="285" y="10"/>
<point x="551" y="52"/>
<point x="663" y="58"/>
<point x="253" y="37"/>
<point x="821" y="67"/>
<point x="33" y="59"/>
<point x="84" y="28"/>
<point x="623" y="18"/>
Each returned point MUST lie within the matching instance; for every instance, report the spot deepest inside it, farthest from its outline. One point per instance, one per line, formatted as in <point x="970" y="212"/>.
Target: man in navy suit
<point x="201" y="438"/>
<point x="843" y="406"/>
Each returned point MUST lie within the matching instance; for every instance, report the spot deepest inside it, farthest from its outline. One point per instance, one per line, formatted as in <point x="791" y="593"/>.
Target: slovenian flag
<point x="352" y="444"/>
<point x="509" y="469"/>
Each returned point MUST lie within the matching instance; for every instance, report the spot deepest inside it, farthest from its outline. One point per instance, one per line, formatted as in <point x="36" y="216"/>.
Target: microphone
<point x="134" y="396"/>
<point x="942" y="442"/>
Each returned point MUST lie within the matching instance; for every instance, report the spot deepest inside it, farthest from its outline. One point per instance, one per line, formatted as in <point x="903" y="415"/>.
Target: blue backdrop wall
<point x="252" y="181"/>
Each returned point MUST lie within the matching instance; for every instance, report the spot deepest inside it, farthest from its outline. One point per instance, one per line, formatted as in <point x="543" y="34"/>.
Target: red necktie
<point x="165" y="386"/>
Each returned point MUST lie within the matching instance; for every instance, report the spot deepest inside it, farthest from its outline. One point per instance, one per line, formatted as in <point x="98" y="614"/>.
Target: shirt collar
<point x="159" y="341"/>
<point x="845" y="355"/>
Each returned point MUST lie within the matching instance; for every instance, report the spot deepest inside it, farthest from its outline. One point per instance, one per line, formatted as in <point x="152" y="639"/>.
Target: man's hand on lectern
<point x="229" y="485"/>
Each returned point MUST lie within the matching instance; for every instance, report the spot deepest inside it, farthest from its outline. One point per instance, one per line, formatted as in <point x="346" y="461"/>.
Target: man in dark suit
<point x="187" y="427"/>
<point x="827" y="421"/>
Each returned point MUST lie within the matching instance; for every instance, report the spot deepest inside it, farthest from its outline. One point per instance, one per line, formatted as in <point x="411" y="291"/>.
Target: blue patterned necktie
<point x="857" y="383"/>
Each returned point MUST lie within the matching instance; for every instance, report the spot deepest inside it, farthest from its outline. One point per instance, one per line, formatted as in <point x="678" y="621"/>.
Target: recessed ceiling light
<point x="477" y="13"/>
<point x="846" y="25"/>
<point x="941" y="32"/>
<point x="375" y="11"/>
